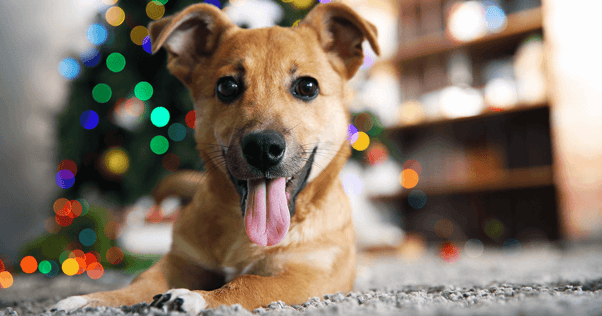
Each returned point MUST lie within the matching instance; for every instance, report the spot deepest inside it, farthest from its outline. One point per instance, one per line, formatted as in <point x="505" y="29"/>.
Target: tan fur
<point x="318" y="254"/>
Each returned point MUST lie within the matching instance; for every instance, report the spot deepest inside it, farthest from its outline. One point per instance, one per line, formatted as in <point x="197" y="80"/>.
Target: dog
<point x="270" y="220"/>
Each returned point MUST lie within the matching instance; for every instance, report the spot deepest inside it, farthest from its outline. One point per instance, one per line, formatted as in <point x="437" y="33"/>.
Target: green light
<point x="162" y="1"/>
<point x="115" y="62"/>
<point x="159" y="144"/>
<point x="143" y="90"/>
<point x="64" y="256"/>
<point x="45" y="267"/>
<point x="102" y="93"/>
<point x="160" y="116"/>
<point x="177" y="132"/>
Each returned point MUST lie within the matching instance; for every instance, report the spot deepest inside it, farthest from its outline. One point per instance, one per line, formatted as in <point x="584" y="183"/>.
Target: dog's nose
<point x="264" y="149"/>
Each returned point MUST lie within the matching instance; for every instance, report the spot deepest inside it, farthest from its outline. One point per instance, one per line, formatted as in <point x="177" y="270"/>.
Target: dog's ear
<point x="341" y="31"/>
<point x="188" y="37"/>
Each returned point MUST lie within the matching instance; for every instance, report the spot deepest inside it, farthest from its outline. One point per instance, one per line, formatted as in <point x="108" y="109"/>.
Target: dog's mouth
<point x="267" y="204"/>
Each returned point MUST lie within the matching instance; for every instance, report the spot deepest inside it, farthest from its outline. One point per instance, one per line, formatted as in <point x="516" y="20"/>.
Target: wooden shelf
<point x="500" y="181"/>
<point x="518" y="23"/>
<point x="486" y="114"/>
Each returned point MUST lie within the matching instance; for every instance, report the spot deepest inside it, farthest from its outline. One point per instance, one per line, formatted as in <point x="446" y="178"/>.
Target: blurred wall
<point x="34" y="37"/>
<point x="573" y="39"/>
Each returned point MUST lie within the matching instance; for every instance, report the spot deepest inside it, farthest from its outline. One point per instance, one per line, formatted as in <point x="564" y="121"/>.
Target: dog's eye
<point x="306" y="88"/>
<point x="227" y="89"/>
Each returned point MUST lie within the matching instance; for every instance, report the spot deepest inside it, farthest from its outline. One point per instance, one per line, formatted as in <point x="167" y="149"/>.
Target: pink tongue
<point x="267" y="217"/>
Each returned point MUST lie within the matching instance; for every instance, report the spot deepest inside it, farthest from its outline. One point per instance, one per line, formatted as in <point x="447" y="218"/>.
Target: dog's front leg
<point x="293" y="286"/>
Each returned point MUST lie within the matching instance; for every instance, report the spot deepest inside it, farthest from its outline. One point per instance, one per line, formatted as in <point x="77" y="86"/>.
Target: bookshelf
<point x="496" y="165"/>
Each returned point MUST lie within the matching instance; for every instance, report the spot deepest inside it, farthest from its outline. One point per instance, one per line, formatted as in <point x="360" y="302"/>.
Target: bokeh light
<point x="512" y="247"/>
<point x="116" y="161"/>
<point x="449" y="252"/>
<point x="109" y="2"/>
<point x="68" y="164"/>
<point x="162" y="1"/>
<point x="85" y="206"/>
<point x="296" y="23"/>
<point x="87" y="237"/>
<point x="190" y="119"/>
<point x="29" y="264"/>
<point x="102" y="93"/>
<point x="417" y="199"/>
<point x="69" y="68"/>
<point x="64" y="179"/>
<point x="147" y="45"/>
<point x="112" y="230"/>
<point x="6" y="279"/>
<point x="134" y="106"/>
<point x="414" y="165"/>
<point x="171" y="162"/>
<point x="466" y="21"/>
<point x="97" y="34"/>
<point x="474" y="248"/>
<point x="408" y="178"/>
<point x="62" y="207"/>
<point x="176" y="131"/>
<point x="377" y="154"/>
<point x="138" y="34"/>
<point x="70" y="266"/>
<point x="352" y="134"/>
<point x="76" y="208"/>
<point x="54" y="269"/>
<point x="159" y="144"/>
<point x="64" y="256"/>
<point x="64" y="221"/>
<point x="95" y="270"/>
<point x="143" y="90"/>
<point x="91" y="257"/>
<point x="444" y="228"/>
<point x="495" y="17"/>
<point x="44" y="267"/>
<point x="114" y="255"/>
<point x="2" y="267"/>
<point x="155" y="214"/>
<point x="494" y="228"/>
<point x="155" y="10"/>
<point x="159" y="116"/>
<point x="302" y="4"/>
<point x="362" y="142"/>
<point x="215" y="3"/>
<point x="115" y="62"/>
<point x="115" y="16"/>
<point x="89" y="119"/>
<point x="90" y="57"/>
<point x="352" y="184"/>
<point x="364" y="122"/>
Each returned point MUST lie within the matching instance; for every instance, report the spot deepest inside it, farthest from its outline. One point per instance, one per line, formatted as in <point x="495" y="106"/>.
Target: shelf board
<point x="487" y="113"/>
<point x="519" y="178"/>
<point x="521" y="22"/>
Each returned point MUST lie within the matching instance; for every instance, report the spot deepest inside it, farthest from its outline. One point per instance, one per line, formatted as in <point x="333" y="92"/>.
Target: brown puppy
<point x="270" y="220"/>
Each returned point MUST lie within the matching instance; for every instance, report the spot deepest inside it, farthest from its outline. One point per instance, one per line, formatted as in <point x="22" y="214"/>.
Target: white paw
<point x="70" y="304"/>
<point x="180" y="300"/>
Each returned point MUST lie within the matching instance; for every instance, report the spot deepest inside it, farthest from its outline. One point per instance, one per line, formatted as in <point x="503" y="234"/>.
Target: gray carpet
<point x="544" y="280"/>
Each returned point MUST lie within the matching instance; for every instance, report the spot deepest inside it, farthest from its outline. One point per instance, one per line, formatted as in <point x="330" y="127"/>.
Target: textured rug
<point x="542" y="280"/>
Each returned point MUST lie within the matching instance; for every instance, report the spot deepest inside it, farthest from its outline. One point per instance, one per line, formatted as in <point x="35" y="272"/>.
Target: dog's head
<point x="269" y="102"/>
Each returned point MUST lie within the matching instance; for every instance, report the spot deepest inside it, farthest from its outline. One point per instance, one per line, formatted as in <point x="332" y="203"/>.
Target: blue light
<point x="69" y="68"/>
<point x="90" y="57"/>
<point x="97" y="34"/>
<point x="496" y="18"/>
<point x="214" y="2"/>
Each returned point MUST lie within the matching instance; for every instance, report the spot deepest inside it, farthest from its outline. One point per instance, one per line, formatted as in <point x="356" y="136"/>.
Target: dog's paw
<point x="70" y="304"/>
<point x="181" y="300"/>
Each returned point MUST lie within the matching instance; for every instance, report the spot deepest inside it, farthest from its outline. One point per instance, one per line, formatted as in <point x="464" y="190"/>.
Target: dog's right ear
<point x="188" y="37"/>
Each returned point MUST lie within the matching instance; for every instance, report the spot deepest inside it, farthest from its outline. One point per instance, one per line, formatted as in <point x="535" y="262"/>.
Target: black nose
<point x="264" y="149"/>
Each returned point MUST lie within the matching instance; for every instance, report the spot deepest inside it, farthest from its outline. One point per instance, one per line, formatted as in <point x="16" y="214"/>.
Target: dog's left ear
<point x="341" y="31"/>
<point x="188" y="37"/>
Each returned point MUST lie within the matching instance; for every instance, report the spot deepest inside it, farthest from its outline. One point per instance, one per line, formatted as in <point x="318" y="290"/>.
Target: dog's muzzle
<point x="268" y="201"/>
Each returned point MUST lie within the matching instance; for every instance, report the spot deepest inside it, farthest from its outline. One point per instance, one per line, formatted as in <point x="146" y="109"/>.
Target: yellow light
<point x="115" y="16"/>
<point x="362" y="141"/>
<point x="116" y="161"/>
<point x="70" y="266"/>
<point x="302" y="4"/>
